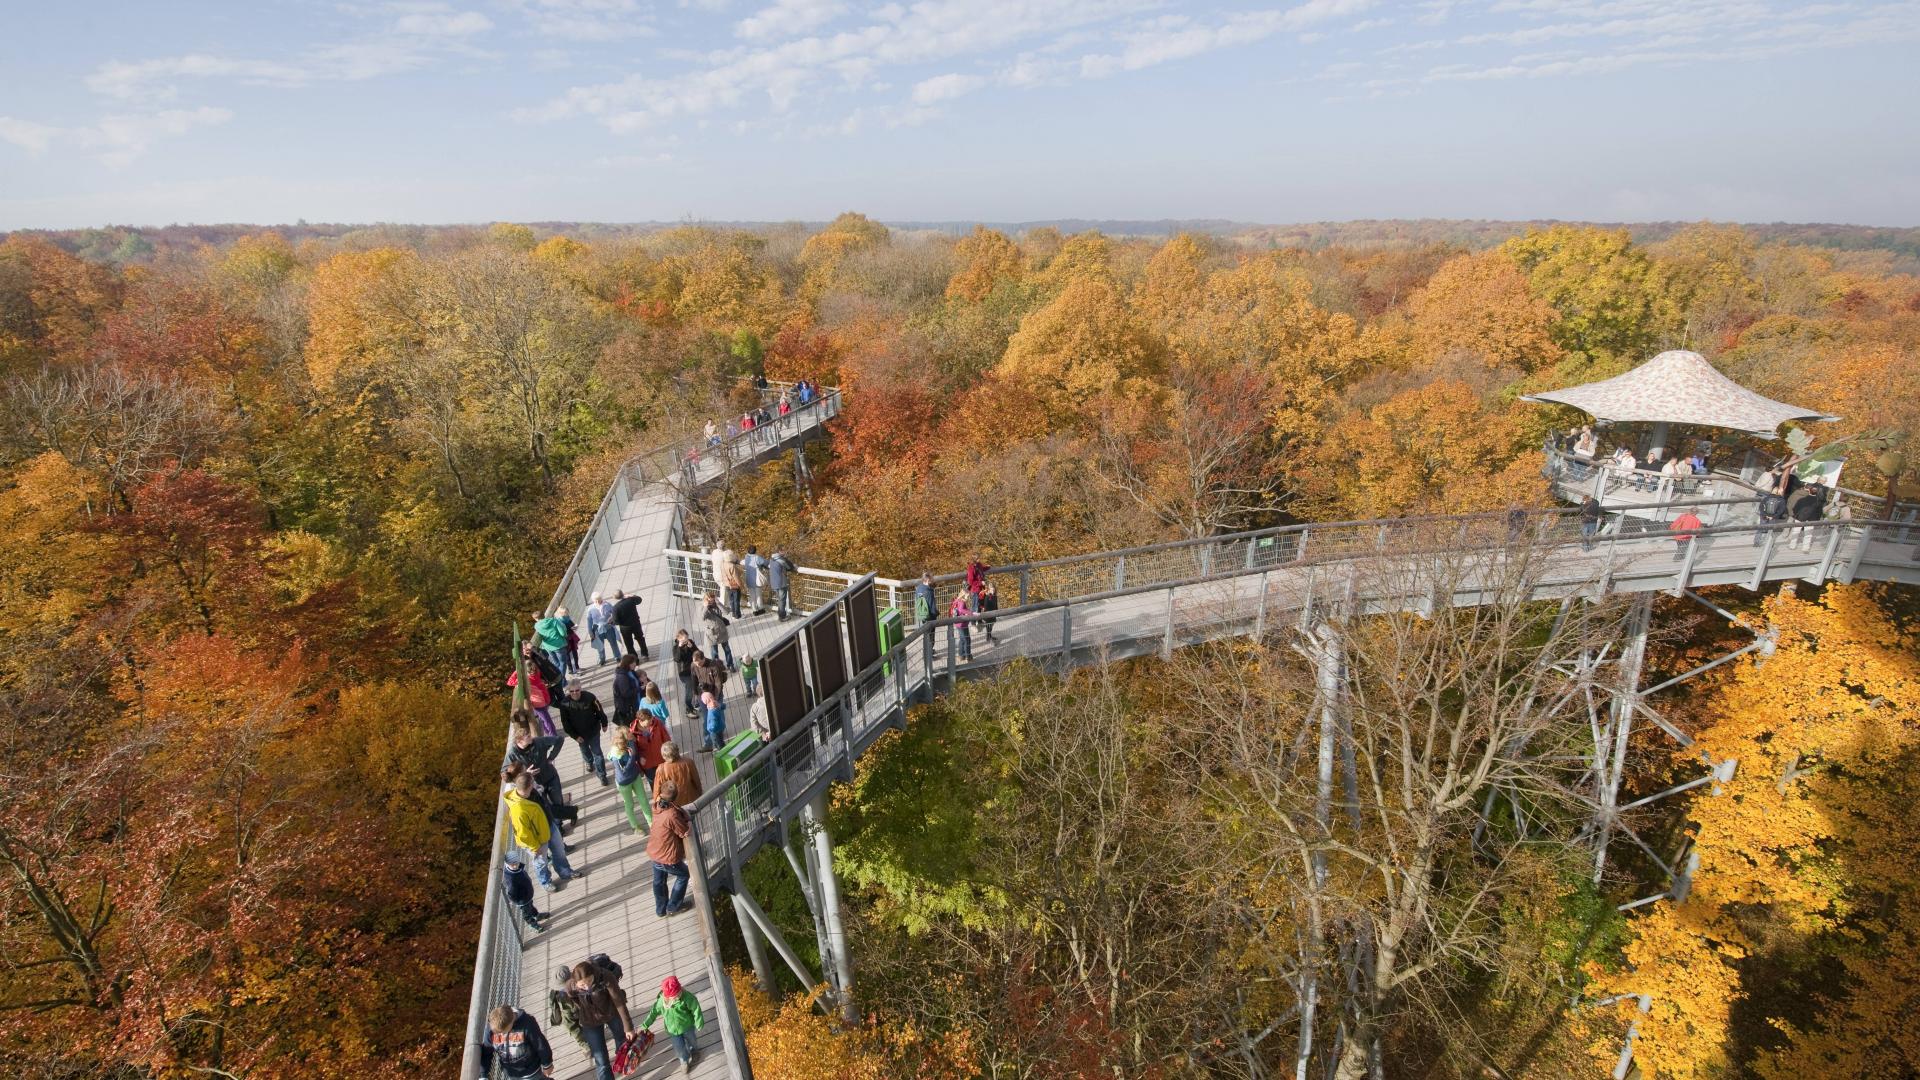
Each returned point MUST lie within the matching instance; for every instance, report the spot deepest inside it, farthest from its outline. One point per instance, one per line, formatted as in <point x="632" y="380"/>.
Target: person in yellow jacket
<point x="532" y="831"/>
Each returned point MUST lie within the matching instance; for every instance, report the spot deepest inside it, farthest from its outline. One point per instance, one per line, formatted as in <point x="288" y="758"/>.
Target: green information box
<point x="892" y="633"/>
<point x="753" y="793"/>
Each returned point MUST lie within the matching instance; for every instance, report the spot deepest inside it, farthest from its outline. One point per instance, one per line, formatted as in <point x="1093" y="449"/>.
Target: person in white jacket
<point x="721" y="557"/>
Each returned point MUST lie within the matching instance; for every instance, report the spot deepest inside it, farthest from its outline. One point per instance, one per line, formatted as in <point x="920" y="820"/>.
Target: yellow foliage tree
<point x="986" y="259"/>
<point x="1435" y="448"/>
<point x="1814" y="838"/>
<point x="794" y="1041"/>
<point x="1176" y="281"/>
<point x="1081" y="347"/>
<point x="1478" y="307"/>
<point x="359" y="318"/>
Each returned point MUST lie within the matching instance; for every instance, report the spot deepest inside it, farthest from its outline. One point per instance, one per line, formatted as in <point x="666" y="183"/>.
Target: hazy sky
<point x="627" y="110"/>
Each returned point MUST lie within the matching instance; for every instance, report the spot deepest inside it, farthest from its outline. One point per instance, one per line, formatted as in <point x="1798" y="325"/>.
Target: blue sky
<point x="632" y="110"/>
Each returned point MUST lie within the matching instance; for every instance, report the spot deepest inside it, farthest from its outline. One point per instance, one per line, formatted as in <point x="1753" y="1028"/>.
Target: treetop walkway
<point x="832" y="690"/>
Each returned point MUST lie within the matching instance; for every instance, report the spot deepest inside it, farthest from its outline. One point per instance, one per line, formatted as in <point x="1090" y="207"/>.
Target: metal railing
<point x="1300" y="569"/>
<point x="1635" y="490"/>
<point x="681" y="464"/>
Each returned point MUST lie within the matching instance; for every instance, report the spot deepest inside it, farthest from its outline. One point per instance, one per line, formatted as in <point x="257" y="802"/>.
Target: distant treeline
<point x="142" y="244"/>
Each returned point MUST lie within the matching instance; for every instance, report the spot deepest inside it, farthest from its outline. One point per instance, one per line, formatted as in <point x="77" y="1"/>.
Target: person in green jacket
<point x="681" y="1018"/>
<point x="550" y="634"/>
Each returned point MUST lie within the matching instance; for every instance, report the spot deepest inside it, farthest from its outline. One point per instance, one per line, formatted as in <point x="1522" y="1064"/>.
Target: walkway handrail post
<point x="726" y="1010"/>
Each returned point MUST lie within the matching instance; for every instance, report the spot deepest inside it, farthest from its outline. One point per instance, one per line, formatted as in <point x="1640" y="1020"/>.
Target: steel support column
<point x="835" y="943"/>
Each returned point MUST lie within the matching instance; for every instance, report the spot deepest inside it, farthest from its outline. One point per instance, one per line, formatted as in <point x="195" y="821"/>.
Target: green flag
<point x="519" y="670"/>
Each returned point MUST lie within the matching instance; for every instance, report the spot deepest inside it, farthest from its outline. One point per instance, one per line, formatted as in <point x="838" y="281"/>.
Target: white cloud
<point x="419" y="35"/>
<point x="785" y="18"/>
<point x="784" y="74"/>
<point x="27" y="135"/>
<point x="585" y="20"/>
<point x="945" y="88"/>
<point x="1176" y="38"/>
<point x="444" y="24"/>
<point x="116" y="139"/>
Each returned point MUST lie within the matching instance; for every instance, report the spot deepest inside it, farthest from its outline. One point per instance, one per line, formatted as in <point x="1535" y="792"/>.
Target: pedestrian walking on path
<point x="667" y="847"/>
<point x="683" y="653"/>
<point x="626" y="616"/>
<point x="604" y="1019"/>
<point x="627" y="779"/>
<point x="680" y="1017"/>
<point x="627" y="688"/>
<point x="676" y="772"/>
<point x="515" y="1044"/>
<point x="1589" y="521"/>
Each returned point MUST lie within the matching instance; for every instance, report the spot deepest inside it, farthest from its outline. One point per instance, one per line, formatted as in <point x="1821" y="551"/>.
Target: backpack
<point x="1773" y="506"/>
<point x="607" y="966"/>
<point x="564" y="1012"/>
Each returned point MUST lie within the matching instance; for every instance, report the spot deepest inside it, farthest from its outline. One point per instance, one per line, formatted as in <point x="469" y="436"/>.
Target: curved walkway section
<point x="610" y="908"/>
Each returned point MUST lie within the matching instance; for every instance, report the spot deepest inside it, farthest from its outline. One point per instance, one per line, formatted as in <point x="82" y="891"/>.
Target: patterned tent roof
<point x="1680" y="387"/>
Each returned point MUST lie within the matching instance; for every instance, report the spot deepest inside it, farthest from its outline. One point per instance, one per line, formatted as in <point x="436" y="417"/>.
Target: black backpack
<point x="607" y="966"/>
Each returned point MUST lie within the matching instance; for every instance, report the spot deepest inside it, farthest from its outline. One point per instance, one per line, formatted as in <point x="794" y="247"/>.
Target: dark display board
<point x="862" y="629"/>
<point x="782" y="681"/>
<point x="823" y="655"/>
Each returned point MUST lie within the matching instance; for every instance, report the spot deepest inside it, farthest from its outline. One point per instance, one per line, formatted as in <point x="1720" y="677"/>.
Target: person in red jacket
<point x="1685" y="528"/>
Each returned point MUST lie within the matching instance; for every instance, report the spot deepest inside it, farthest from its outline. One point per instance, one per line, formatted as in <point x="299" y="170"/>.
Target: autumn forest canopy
<point x="273" y="500"/>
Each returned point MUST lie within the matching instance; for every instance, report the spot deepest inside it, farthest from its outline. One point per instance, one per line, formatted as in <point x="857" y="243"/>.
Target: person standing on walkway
<point x="626" y="617"/>
<point x="976" y="574"/>
<point x="962" y="613"/>
<point x="627" y="778"/>
<point x="649" y="737"/>
<point x="676" y="771"/>
<point x="539" y="697"/>
<point x="709" y="677"/>
<point x="604" y="1019"/>
<point x="733" y="579"/>
<point x="714" y="717"/>
<point x="627" y="687"/>
<point x="535" y="756"/>
<point x="714" y="619"/>
<point x="667" y="847"/>
<point x="550" y="632"/>
<point x="718" y="557"/>
<point x="754" y="566"/>
<point x="680" y="1017"/>
<point x="519" y="889"/>
<point x="582" y="718"/>
<point x="533" y="832"/>
<point x="780" y="570"/>
<point x="925" y="607"/>
<point x="600" y="628"/>
<point x="1685" y="528"/>
<point x="516" y="1044"/>
<point x="989" y="601"/>
<point x="684" y="651"/>
<point x="750" y="671"/>
<point x="1589" y="521"/>
<point x="573" y="640"/>
<point x="1806" y="505"/>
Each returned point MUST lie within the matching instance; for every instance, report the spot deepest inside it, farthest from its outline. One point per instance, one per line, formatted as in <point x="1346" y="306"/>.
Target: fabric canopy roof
<point x="1680" y="387"/>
